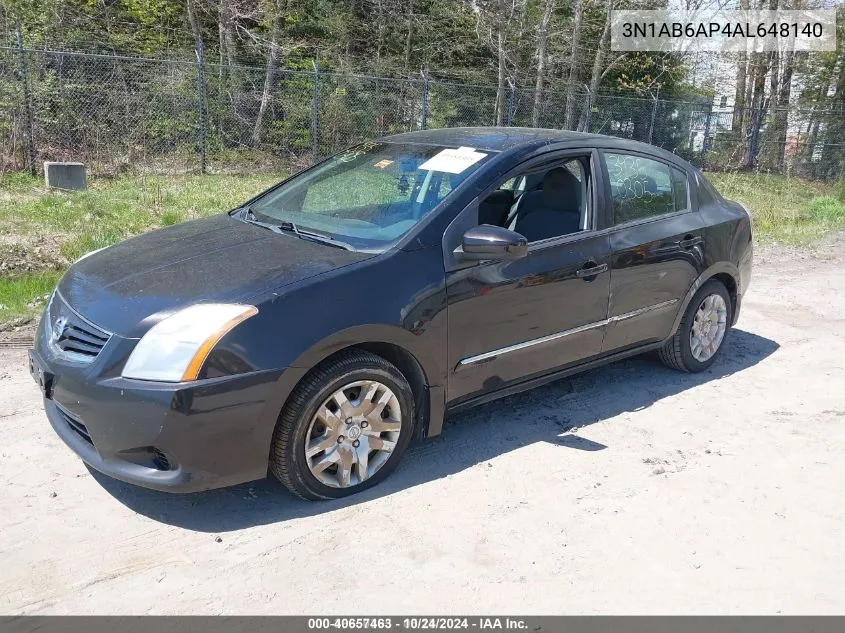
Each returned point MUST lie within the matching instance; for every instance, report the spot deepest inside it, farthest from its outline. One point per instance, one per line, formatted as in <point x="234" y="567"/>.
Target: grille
<point x="75" y="425"/>
<point x="81" y="339"/>
<point x="73" y="335"/>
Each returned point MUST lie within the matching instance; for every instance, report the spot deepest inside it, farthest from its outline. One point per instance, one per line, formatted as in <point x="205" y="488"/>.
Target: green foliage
<point x="788" y="210"/>
<point x="826" y="209"/>
<point x="646" y="74"/>
<point x="839" y="188"/>
<point x="23" y="295"/>
<point x="115" y="110"/>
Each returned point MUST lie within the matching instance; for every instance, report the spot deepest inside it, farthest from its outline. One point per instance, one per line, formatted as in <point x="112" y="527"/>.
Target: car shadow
<point x="548" y="414"/>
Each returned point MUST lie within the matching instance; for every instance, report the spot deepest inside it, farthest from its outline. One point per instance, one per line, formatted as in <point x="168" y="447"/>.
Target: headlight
<point x="175" y="349"/>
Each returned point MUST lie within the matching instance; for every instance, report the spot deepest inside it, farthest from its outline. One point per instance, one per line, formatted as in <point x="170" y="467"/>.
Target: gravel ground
<point x="631" y="488"/>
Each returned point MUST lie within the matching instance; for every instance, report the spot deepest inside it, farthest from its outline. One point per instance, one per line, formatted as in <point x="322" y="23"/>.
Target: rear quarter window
<point x="707" y="194"/>
<point x="680" y="189"/>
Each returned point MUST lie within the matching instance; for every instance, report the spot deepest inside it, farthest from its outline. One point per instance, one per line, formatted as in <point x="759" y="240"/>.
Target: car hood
<point x="128" y="287"/>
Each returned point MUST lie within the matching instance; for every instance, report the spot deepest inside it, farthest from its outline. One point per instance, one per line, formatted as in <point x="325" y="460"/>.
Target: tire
<point x="299" y="427"/>
<point x="679" y="351"/>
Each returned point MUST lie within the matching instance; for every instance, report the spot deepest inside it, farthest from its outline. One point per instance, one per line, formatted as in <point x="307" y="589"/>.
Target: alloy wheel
<point x="708" y="328"/>
<point x="353" y="433"/>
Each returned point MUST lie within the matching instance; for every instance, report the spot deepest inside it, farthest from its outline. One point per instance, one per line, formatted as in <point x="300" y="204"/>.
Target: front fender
<point x="430" y="403"/>
<point x="426" y="356"/>
<point x="397" y="298"/>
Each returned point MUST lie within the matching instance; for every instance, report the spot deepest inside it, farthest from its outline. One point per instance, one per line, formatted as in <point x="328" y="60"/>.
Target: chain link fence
<point x="116" y="113"/>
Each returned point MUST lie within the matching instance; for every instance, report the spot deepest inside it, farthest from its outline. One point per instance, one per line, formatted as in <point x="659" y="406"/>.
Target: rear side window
<point x="642" y="188"/>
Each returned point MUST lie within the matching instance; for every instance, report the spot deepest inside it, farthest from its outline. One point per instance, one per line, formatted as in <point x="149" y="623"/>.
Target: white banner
<point x="706" y="30"/>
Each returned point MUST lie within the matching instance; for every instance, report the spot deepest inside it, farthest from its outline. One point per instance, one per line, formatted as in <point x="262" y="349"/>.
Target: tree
<point x="542" y="42"/>
<point x="598" y="70"/>
<point x="277" y="19"/>
<point x="574" y="67"/>
<point x="738" y="121"/>
<point x="833" y="153"/>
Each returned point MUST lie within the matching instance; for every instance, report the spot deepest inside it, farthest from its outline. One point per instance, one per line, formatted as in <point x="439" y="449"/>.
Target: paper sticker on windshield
<point x="383" y="163"/>
<point x="453" y="161"/>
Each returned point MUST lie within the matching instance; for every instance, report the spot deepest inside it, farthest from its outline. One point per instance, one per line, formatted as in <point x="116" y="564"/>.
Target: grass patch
<point x="826" y="209"/>
<point x="786" y="210"/>
<point x="70" y="224"/>
<point x="114" y="209"/>
<point x="839" y="190"/>
<point x="24" y="295"/>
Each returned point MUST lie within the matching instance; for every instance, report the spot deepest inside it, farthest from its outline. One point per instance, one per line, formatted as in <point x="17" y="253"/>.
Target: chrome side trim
<point x="537" y="341"/>
<point x="471" y="360"/>
<point x="636" y="313"/>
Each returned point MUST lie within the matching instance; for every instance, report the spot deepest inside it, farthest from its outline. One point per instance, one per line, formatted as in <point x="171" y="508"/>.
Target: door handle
<point x="689" y="241"/>
<point x="590" y="269"/>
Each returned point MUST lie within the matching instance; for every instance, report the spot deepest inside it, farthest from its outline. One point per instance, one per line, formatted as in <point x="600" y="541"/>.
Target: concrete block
<point x="65" y="176"/>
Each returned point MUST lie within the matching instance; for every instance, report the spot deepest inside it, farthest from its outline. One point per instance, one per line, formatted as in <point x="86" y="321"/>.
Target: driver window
<point x="542" y="204"/>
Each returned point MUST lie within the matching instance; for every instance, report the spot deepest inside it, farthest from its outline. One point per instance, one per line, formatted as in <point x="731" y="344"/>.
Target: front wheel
<point x="702" y="331"/>
<point x="344" y="428"/>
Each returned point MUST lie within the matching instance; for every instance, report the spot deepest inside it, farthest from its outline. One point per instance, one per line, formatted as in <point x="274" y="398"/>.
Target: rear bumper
<point x="183" y="437"/>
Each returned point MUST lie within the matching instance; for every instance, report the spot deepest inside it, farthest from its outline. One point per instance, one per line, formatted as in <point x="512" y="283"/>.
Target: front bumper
<point x="182" y="437"/>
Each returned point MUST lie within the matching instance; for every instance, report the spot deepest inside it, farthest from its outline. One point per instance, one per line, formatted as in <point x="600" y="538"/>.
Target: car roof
<point x="500" y="139"/>
<point x="489" y="138"/>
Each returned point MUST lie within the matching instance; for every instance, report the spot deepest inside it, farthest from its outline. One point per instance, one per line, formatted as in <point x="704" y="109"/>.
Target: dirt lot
<point x="631" y="488"/>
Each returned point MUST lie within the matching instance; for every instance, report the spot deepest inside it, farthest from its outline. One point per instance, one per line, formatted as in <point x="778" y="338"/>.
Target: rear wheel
<point x="344" y="428"/>
<point x="702" y="331"/>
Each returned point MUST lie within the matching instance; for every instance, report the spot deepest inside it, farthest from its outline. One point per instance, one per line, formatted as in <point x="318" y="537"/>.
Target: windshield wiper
<point x="247" y="215"/>
<point x="314" y="237"/>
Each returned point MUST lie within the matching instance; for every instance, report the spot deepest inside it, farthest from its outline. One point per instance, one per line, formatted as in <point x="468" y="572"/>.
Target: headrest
<point x="561" y="189"/>
<point x="649" y="184"/>
<point x="500" y="196"/>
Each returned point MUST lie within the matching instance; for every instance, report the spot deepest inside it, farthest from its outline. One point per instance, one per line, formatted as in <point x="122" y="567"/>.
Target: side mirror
<point x="492" y="242"/>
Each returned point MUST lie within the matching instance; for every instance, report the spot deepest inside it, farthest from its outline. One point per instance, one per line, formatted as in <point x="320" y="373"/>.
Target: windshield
<point x="372" y="194"/>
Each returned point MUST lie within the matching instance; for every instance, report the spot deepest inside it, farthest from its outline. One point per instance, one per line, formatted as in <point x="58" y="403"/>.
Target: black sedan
<point x="319" y="328"/>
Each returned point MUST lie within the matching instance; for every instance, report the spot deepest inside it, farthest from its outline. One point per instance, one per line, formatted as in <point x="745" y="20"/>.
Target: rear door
<point x="657" y="246"/>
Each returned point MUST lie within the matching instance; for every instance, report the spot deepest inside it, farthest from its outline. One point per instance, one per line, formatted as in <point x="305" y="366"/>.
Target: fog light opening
<point x="149" y="457"/>
<point x="160" y="461"/>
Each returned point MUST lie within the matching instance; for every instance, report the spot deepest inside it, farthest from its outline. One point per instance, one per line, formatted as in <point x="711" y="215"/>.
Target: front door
<point x="512" y="320"/>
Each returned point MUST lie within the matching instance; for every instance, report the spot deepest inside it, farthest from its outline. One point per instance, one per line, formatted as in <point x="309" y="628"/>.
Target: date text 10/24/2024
<point x="418" y="623"/>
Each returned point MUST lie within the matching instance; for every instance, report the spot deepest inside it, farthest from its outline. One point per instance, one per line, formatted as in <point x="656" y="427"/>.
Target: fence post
<point x="424" y="114"/>
<point x="315" y="109"/>
<point x="705" y="142"/>
<point x="201" y="99"/>
<point x="653" y="114"/>
<point x="511" y="101"/>
<point x="27" y="98"/>
<point x="589" y="112"/>
<point x="756" y="121"/>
